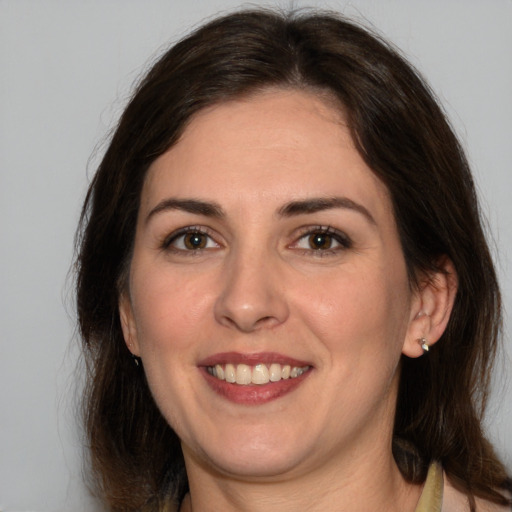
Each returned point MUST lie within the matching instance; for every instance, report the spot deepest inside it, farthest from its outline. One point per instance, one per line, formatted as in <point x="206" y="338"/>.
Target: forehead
<point x="278" y="144"/>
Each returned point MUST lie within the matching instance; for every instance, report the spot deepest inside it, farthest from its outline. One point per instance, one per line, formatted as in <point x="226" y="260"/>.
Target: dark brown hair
<point x="404" y="137"/>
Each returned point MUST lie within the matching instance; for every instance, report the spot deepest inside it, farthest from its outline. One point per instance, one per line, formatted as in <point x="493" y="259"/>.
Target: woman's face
<point x="266" y="251"/>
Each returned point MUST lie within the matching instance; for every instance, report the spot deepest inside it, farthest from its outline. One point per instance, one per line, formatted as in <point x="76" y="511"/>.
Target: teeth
<point x="219" y="372"/>
<point x="243" y="374"/>
<point x="229" y="373"/>
<point x="259" y="374"/>
<point x="275" y="372"/>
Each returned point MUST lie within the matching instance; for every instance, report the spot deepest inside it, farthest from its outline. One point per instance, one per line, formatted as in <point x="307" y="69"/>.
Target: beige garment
<point x="431" y="499"/>
<point x="440" y="496"/>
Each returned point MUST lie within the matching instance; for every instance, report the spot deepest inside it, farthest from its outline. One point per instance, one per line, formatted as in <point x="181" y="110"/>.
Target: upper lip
<point x="251" y="359"/>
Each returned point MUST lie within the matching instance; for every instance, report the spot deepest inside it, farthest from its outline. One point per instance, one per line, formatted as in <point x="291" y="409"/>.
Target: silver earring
<point x="424" y="344"/>
<point x="136" y="360"/>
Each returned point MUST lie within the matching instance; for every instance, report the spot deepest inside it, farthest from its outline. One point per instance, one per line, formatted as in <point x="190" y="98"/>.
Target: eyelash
<point x="343" y="241"/>
<point x="337" y="236"/>
<point x="168" y="242"/>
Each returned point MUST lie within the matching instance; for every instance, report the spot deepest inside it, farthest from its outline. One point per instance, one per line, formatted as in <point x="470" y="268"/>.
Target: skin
<point x="259" y="285"/>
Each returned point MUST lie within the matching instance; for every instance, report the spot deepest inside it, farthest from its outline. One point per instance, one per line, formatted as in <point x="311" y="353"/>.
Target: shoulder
<point x="456" y="501"/>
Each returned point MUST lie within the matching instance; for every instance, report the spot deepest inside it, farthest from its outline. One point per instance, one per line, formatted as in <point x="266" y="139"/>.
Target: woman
<point x="284" y="289"/>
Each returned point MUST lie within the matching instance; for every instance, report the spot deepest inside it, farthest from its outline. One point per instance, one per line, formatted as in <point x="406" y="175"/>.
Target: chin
<point x="254" y="466"/>
<point x="254" y="455"/>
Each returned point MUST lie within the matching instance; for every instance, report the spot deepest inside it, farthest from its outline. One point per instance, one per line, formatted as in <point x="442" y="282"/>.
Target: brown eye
<point x="323" y="241"/>
<point x="190" y="240"/>
<point x="320" y="241"/>
<point x="194" y="241"/>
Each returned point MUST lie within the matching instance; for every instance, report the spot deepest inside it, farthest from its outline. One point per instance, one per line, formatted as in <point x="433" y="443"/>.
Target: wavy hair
<point x="404" y="137"/>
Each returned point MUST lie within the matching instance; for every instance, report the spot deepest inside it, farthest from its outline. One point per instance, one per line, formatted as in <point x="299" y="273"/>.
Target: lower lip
<point x="253" y="394"/>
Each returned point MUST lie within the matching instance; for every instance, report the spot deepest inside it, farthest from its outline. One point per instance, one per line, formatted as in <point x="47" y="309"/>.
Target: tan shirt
<point x="439" y="496"/>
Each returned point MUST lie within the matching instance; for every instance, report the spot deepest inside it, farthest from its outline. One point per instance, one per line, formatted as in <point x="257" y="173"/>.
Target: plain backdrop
<point x="66" y="68"/>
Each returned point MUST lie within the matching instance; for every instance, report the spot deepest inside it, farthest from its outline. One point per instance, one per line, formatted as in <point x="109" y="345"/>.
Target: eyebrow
<point x="314" y="205"/>
<point x="293" y="208"/>
<point x="195" y="206"/>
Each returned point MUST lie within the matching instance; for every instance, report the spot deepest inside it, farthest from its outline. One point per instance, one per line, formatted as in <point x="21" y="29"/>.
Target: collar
<point x="431" y="499"/>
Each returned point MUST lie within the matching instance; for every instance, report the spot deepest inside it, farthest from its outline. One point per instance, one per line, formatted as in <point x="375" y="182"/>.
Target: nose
<point x="252" y="295"/>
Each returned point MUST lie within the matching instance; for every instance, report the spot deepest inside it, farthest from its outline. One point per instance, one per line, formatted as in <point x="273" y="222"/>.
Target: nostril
<point x="247" y="324"/>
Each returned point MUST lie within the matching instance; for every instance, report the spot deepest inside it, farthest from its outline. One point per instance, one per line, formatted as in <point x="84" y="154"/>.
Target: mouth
<point x="259" y="374"/>
<point x="253" y="379"/>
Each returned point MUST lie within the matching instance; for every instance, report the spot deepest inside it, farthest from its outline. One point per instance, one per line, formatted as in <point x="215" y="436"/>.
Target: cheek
<point x="357" y="312"/>
<point x="170" y="309"/>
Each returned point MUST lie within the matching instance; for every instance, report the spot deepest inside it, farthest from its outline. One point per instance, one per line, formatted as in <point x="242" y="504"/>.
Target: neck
<point x="368" y="482"/>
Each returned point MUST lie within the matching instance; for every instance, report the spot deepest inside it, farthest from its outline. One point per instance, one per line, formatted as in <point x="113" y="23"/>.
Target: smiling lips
<point x="260" y="374"/>
<point x="253" y="378"/>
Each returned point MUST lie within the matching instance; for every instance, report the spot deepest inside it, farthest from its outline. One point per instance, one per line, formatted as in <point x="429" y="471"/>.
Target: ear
<point x="128" y="324"/>
<point x="431" y="308"/>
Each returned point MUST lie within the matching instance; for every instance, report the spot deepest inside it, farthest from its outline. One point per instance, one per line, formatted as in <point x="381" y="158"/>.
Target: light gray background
<point x="66" y="68"/>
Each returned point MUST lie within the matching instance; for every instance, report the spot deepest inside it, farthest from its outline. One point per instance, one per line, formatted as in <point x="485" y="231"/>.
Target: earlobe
<point x="128" y="324"/>
<point x="431" y="309"/>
